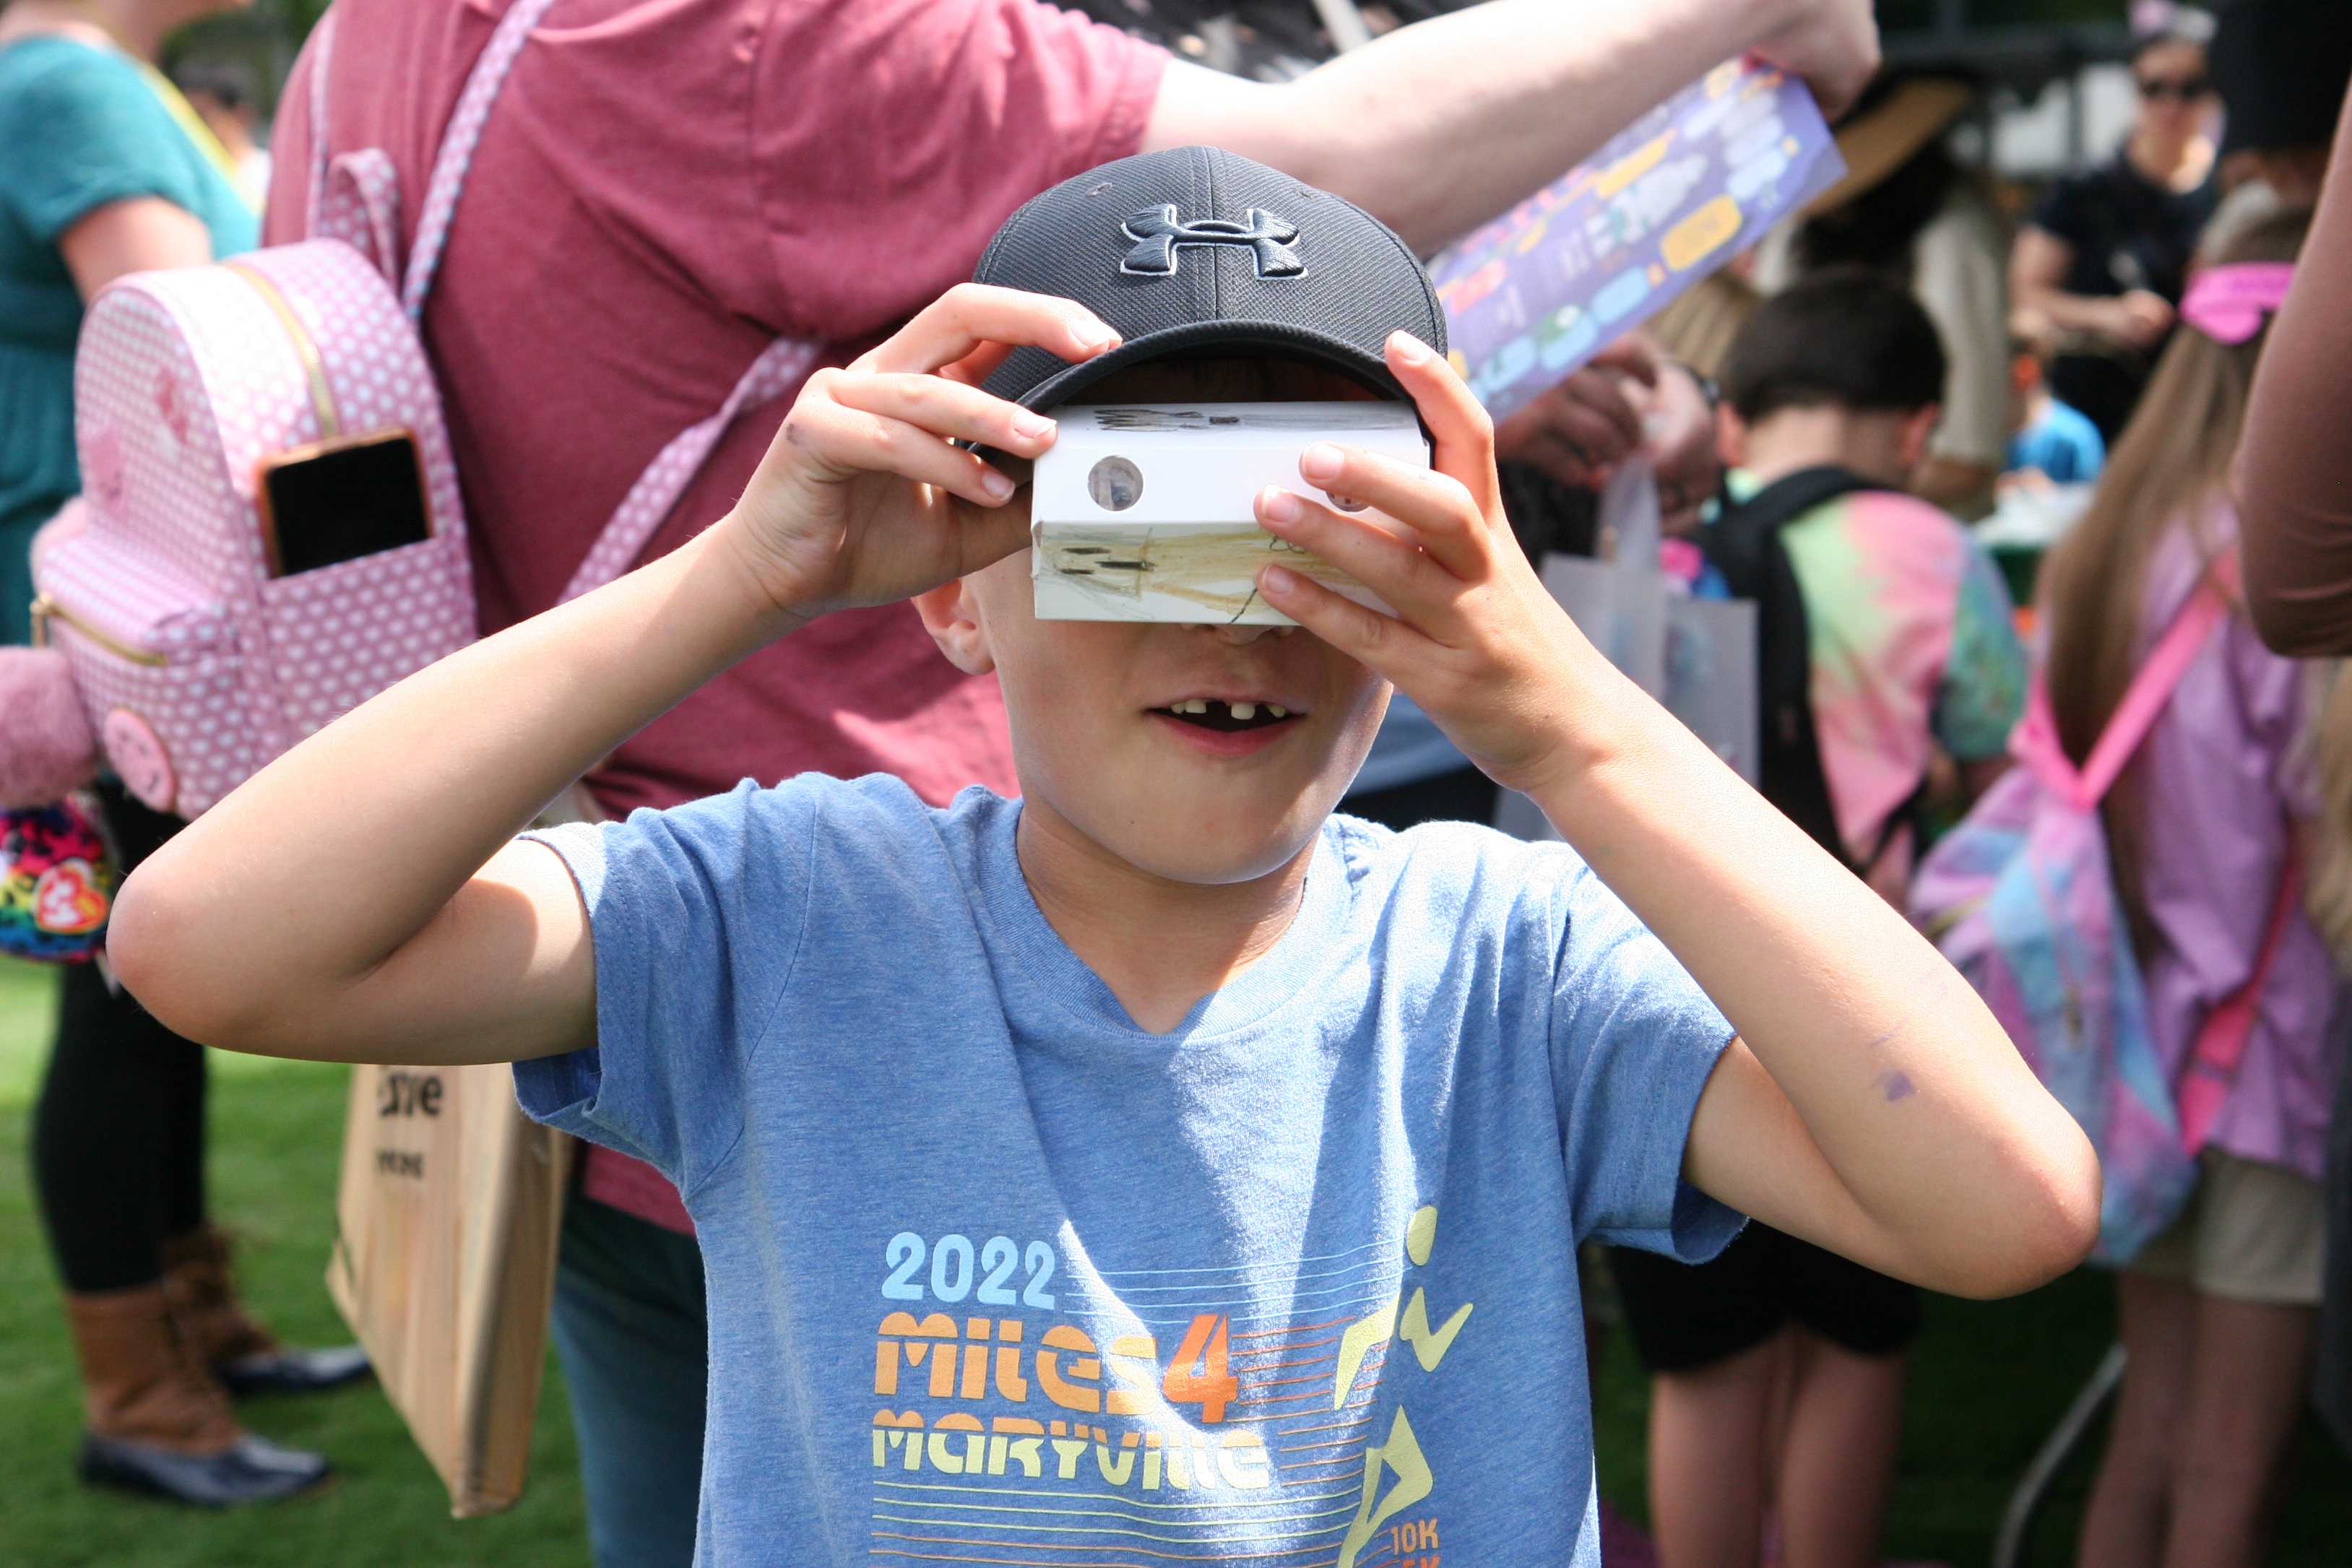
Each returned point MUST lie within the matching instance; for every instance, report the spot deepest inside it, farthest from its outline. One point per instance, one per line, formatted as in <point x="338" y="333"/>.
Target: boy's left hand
<point x="1477" y="640"/>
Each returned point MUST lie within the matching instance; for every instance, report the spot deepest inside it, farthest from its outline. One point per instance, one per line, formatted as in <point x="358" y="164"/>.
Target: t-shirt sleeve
<point x="1982" y="694"/>
<point x="696" y="915"/>
<point x="78" y="130"/>
<point x="2064" y="210"/>
<point x="892" y="137"/>
<point x="1633" y="1041"/>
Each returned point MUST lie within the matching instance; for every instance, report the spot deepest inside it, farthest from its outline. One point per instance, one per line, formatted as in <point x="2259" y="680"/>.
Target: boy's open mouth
<point x="1217" y="714"/>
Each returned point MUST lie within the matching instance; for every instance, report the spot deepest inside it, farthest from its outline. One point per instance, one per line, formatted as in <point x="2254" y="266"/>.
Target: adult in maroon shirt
<point x="665" y="187"/>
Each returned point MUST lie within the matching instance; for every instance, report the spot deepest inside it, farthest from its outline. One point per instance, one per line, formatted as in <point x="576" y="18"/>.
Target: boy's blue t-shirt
<point x="997" y="1277"/>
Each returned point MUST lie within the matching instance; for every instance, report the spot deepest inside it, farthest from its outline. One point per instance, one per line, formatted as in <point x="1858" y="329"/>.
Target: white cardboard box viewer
<point x="1147" y="512"/>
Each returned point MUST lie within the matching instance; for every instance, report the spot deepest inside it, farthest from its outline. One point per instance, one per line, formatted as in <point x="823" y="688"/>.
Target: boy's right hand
<point x="863" y="498"/>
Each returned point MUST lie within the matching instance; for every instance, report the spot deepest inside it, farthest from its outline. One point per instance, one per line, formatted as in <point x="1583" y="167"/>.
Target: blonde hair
<point x="2171" y="465"/>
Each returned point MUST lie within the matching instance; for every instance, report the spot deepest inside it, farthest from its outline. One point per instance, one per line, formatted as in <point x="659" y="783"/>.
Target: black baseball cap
<point x="1196" y="253"/>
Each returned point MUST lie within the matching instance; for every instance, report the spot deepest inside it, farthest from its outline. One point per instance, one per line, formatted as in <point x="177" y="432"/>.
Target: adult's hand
<point x="2140" y="317"/>
<point x="1834" y="46"/>
<point x="1582" y="429"/>
<point x="1678" y="437"/>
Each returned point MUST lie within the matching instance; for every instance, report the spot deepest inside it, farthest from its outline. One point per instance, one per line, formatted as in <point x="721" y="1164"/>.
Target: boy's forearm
<point x="1951" y="1166"/>
<point x="374" y="824"/>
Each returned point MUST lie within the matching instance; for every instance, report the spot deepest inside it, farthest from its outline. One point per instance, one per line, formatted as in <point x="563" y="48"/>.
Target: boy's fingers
<point x="1463" y="437"/>
<point x="1420" y="588"/>
<point x="946" y="408"/>
<point x="1382" y="641"/>
<point x="971" y="314"/>
<point x="1432" y="504"/>
<point x="859" y="442"/>
<point x="979" y="365"/>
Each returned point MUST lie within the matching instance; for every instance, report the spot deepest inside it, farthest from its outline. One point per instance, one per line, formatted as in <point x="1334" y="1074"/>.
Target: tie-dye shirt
<point x="1914" y="646"/>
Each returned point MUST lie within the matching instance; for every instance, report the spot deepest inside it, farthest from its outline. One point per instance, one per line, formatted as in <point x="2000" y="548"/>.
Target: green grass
<point x="1989" y="1381"/>
<point x="276" y="1130"/>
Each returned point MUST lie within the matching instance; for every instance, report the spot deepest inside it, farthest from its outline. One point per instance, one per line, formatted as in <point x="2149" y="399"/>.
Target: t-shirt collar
<point x="1047" y="977"/>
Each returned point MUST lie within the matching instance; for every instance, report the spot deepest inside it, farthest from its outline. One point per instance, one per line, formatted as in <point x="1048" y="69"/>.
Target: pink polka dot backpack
<point x="270" y="530"/>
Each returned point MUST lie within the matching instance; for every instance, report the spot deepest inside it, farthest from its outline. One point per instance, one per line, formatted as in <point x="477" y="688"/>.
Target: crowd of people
<point x="1026" y="929"/>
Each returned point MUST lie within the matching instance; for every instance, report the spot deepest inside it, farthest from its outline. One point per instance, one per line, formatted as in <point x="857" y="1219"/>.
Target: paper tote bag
<point x="445" y="1266"/>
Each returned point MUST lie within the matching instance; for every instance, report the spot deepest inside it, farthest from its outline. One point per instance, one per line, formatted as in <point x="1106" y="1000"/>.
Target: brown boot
<point x="202" y="1293"/>
<point x="201" y="1289"/>
<point x="158" y="1421"/>
<point x="139" y="1384"/>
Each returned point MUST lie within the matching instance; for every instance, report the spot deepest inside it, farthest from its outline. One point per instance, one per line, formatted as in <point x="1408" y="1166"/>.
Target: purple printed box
<point x="1674" y="196"/>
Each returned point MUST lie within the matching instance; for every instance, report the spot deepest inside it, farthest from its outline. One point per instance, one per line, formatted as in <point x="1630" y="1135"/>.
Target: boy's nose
<point x="1242" y="636"/>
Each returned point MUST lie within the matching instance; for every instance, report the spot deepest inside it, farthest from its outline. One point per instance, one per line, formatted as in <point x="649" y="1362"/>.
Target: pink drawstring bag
<point x="2021" y="897"/>
<point x="193" y="660"/>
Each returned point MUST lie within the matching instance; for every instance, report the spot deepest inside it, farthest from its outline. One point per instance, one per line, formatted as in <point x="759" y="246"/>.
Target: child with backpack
<point x="1883" y="636"/>
<point x="1156" y="1156"/>
<point x="2204" y="827"/>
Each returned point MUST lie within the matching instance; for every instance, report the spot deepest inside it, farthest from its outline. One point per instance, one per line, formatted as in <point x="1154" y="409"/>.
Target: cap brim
<point x="1199" y="339"/>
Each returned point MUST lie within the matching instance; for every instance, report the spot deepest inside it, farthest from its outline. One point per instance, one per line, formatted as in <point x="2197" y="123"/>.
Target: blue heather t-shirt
<point x="997" y="1277"/>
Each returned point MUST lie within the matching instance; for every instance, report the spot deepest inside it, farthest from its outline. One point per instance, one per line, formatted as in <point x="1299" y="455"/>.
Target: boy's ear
<point x="953" y="618"/>
<point x="1730" y="436"/>
<point x="1917" y="427"/>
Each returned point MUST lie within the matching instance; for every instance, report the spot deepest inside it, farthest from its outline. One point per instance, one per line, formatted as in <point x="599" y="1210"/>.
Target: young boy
<point x="1777" y="1366"/>
<point x="1154" y="1166"/>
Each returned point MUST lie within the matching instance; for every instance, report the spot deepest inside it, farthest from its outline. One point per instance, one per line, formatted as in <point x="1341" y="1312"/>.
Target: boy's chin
<point x="1213" y="865"/>
<point x="1205" y="845"/>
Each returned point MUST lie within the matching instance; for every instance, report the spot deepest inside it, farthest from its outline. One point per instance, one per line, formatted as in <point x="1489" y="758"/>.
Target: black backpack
<point x="1744" y="544"/>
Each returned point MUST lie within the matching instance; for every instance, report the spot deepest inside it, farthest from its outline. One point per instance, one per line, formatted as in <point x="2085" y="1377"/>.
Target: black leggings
<point x="119" y="1135"/>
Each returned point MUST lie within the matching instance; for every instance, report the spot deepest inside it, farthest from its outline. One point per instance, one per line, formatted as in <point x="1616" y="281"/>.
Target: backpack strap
<point x="2035" y="743"/>
<point x="2212" y="1070"/>
<point x="779" y="367"/>
<point x="1745" y="545"/>
<point x="457" y="144"/>
<point x="322" y="50"/>
<point x="360" y="189"/>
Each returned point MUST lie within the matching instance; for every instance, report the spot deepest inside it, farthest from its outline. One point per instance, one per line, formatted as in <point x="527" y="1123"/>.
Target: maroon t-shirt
<point x="664" y="187"/>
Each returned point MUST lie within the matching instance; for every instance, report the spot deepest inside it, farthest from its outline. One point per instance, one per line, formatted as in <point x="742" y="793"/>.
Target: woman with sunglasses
<point x="2099" y="265"/>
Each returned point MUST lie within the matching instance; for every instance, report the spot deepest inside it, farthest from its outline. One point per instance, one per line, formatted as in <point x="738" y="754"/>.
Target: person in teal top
<point x="81" y="130"/>
<point x="104" y="170"/>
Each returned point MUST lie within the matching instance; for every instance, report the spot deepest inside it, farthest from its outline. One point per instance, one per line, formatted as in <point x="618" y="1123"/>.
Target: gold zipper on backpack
<point x="314" y="366"/>
<point x="44" y="605"/>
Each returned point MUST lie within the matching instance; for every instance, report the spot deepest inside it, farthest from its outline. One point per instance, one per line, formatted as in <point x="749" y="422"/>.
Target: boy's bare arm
<point x="359" y="899"/>
<point x="1872" y="1104"/>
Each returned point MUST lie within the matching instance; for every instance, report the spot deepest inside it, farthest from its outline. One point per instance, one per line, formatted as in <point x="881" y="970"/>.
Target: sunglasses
<point x="2188" y="90"/>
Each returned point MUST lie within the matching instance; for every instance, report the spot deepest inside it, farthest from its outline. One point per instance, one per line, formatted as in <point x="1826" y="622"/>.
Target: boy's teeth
<point x="1245" y="711"/>
<point x="1275" y="710"/>
<point x="1195" y="704"/>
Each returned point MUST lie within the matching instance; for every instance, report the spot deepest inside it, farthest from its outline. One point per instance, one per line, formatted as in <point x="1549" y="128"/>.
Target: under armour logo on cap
<point x="1258" y="298"/>
<point x="1157" y="232"/>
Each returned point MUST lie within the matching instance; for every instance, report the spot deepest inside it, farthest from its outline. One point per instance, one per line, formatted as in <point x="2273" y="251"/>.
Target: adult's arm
<point x="2294" y="486"/>
<point x="132" y="235"/>
<point x="2038" y="266"/>
<point x="1440" y="126"/>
